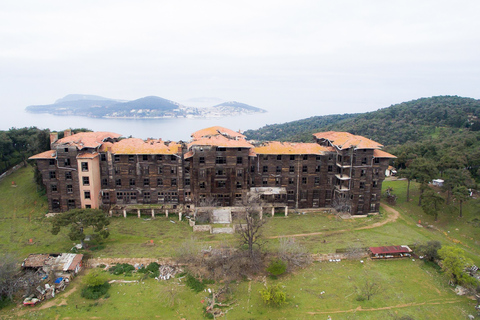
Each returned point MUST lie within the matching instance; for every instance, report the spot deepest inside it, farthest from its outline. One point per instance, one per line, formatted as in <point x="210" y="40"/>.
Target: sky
<point x="297" y="58"/>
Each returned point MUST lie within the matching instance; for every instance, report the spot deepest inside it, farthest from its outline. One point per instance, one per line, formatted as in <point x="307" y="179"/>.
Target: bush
<point x="197" y="285"/>
<point x="277" y="267"/>
<point x="121" y="268"/>
<point x="95" y="292"/>
<point x="273" y="296"/>
<point x="153" y="270"/>
<point x="94" y="278"/>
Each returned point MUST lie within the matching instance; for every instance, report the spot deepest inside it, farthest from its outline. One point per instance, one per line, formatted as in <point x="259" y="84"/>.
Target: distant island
<point x="150" y="107"/>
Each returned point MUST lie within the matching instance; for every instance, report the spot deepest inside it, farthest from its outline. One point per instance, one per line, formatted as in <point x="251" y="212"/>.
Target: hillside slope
<point x="408" y="121"/>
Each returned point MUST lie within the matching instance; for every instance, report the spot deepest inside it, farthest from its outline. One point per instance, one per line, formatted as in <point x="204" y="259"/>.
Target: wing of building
<point x="217" y="166"/>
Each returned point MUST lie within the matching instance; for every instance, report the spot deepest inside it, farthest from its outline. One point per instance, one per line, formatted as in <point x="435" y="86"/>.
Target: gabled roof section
<point x="139" y="146"/>
<point x="217" y="130"/>
<point x="345" y="140"/>
<point x="382" y="154"/>
<point x="87" y="155"/>
<point x="83" y="140"/>
<point x="276" y="147"/>
<point x="50" y="154"/>
<point x="220" y="141"/>
<point x="390" y="249"/>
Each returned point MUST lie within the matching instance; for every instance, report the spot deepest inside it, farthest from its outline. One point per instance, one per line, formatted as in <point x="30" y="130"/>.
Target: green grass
<point x="409" y="287"/>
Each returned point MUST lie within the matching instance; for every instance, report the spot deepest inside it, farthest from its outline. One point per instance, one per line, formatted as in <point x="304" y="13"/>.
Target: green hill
<point x="405" y="122"/>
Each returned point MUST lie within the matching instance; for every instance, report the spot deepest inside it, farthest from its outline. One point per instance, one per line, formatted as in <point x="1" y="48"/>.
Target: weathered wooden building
<point x="217" y="167"/>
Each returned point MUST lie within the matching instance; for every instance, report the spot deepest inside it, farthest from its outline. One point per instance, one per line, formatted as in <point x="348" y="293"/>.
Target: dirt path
<point x="360" y="309"/>
<point x="393" y="217"/>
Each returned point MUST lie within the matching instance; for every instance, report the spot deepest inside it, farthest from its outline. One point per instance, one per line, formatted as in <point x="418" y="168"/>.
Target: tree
<point x="429" y="250"/>
<point x="455" y="178"/>
<point x="251" y="233"/>
<point x="461" y="194"/>
<point x="454" y="263"/>
<point x="78" y="220"/>
<point x="94" y="278"/>
<point x="408" y="174"/>
<point x="273" y="295"/>
<point x="368" y="288"/>
<point x="8" y="277"/>
<point x="431" y="202"/>
<point x="293" y="253"/>
<point x="423" y="170"/>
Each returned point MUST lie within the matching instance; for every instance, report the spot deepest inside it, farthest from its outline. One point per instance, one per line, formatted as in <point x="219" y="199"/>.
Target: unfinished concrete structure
<point x="218" y="167"/>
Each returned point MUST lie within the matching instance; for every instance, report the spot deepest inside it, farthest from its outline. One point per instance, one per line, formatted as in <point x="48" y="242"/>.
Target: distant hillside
<point x="237" y="107"/>
<point x="405" y="122"/>
<point x="147" y="107"/>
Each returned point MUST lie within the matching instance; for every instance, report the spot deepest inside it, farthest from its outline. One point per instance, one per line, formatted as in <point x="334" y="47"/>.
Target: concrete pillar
<point x="166" y="213"/>
<point x="261" y="213"/>
<point x="273" y="212"/>
<point x="138" y="213"/>
<point x="180" y="216"/>
<point x="286" y="211"/>
<point x="110" y="213"/>
<point x="124" y="213"/>
<point x="153" y="213"/>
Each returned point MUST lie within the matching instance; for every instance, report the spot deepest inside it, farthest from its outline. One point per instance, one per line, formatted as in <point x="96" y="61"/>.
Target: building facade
<point x="218" y="167"/>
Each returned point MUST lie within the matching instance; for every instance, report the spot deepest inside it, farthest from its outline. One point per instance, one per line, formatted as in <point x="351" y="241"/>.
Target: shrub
<point x="277" y="267"/>
<point x="121" y="268"/>
<point x="197" y="285"/>
<point x="94" y="278"/>
<point x="95" y="292"/>
<point x="153" y="269"/>
<point x="274" y="295"/>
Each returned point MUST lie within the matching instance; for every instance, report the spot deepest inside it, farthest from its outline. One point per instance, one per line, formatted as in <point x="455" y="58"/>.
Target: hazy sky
<point x="313" y="57"/>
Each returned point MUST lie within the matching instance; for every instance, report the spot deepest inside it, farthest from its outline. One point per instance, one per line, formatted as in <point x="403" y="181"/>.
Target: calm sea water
<point x="167" y="129"/>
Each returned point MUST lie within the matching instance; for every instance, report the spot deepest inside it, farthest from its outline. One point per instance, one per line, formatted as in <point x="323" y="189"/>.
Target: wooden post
<point x="273" y="212"/>
<point x="180" y="216"/>
<point x="286" y="211"/>
<point x="110" y="213"/>
<point x="261" y="213"/>
<point x="153" y="213"/>
<point x="138" y="213"/>
<point x="166" y="213"/>
<point x="124" y="213"/>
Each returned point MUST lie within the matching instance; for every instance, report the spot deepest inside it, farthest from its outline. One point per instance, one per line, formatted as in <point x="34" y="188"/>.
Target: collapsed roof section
<point x="83" y="140"/>
<point x="139" y="146"/>
<point x="346" y="140"/>
<point x="276" y="147"/>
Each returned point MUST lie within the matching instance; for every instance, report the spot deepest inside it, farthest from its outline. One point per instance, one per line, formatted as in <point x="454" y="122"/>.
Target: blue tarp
<point x="58" y="280"/>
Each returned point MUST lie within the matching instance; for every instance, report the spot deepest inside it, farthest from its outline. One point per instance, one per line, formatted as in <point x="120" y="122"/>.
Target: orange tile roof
<point x="382" y="154"/>
<point x="217" y="130"/>
<point x="50" y="154"/>
<point x="87" y="155"/>
<point x="87" y="139"/>
<point x="345" y="140"/>
<point x="139" y="146"/>
<point x="276" y="147"/>
<point x="187" y="155"/>
<point x="220" y="141"/>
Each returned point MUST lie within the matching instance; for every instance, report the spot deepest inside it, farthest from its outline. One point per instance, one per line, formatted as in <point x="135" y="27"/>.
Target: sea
<point x="174" y="129"/>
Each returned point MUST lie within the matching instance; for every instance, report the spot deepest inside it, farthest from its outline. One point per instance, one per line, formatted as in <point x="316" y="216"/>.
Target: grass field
<point x="409" y="288"/>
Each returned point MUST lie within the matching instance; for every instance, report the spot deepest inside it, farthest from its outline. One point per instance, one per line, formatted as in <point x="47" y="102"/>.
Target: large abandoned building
<point x="217" y="167"/>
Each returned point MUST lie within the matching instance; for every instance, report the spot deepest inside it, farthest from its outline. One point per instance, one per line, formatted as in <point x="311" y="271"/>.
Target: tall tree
<point x="454" y="263"/>
<point x="79" y="220"/>
<point x="461" y="194"/>
<point x="455" y="178"/>
<point x="431" y="202"/>
<point x="424" y="170"/>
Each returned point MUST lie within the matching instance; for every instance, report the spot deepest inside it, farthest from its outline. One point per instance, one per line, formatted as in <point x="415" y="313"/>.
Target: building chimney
<point x="53" y="137"/>
<point x="67" y="133"/>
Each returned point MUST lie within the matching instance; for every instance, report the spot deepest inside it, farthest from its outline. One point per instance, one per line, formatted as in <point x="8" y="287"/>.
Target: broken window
<point x="239" y="185"/>
<point x="86" y="181"/>
<point x="146" y="182"/>
<point x="317" y="169"/>
<point x="304" y="168"/>
<point x="159" y="182"/>
<point x="145" y="157"/>
<point x="104" y="182"/>
<point x="146" y="170"/>
<point x="52" y="175"/>
<point x="69" y="188"/>
<point x="106" y="197"/>
<point x="278" y="169"/>
<point x="118" y="182"/>
<point x="187" y="181"/>
<point x="239" y="160"/>
<point x="291" y="169"/>
<point x="265" y="169"/>
<point x="201" y="160"/>
<point x="317" y="181"/>
<point x="116" y="158"/>
<point x="219" y="172"/>
<point x="221" y="184"/>
<point x="362" y="185"/>
<point x="239" y="172"/>
<point x="279" y="157"/>
<point x="160" y="170"/>
<point x="131" y="158"/>
<point x="55" y="204"/>
<point x="132" y="182"/>
<point x="220" y="160"/>
<point x="146" y="197"/>
<point x="173" y="157"/>
<point x="292" y="157"/>
<point x="304" y="180"/>
<point x="53" y="187"/>
<point x="202" y="173"/>
<point x="68" y="175"/>
<point x="291" y="181"/>
<point x="174" y="182"/>
<point x="67" y="162"/>
<point x="51" y="162"/>
<point x="202" y="185"/>
<point x="264" y="181"/>
<point x="87" y="194"/>
<point x="71" y="204"/>
<point x="330" y="168"/>
<point x="85" y="166"/>
<point x="277" y="181"/>
<point x="103" y="157"/>
<point x="305" y="157"/>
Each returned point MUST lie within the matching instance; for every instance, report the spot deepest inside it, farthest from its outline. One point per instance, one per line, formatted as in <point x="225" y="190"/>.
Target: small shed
<point x="389" y="252"/>
<point x="390" y="171"/>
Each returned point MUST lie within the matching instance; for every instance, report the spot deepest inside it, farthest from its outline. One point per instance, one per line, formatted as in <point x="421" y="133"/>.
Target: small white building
<point x="438" y="182"/>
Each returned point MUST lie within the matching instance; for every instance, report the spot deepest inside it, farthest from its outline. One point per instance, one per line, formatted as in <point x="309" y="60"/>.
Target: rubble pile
<point x="167" y="272"/>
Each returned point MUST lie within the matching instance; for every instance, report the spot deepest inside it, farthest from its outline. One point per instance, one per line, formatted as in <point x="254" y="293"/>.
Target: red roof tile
<point x="50" y="154"/>
<point x="275" y="147"/>
<point x="345" y="140"/>
<point x="213" y="131"/>
<point x="220" y="141"/>
<point x="382" y="154"/>
<point x="139" y="146"/>
<point x="390" y="249"/>
<point x="87" y="155"/>
<point x="86" y="139"/>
